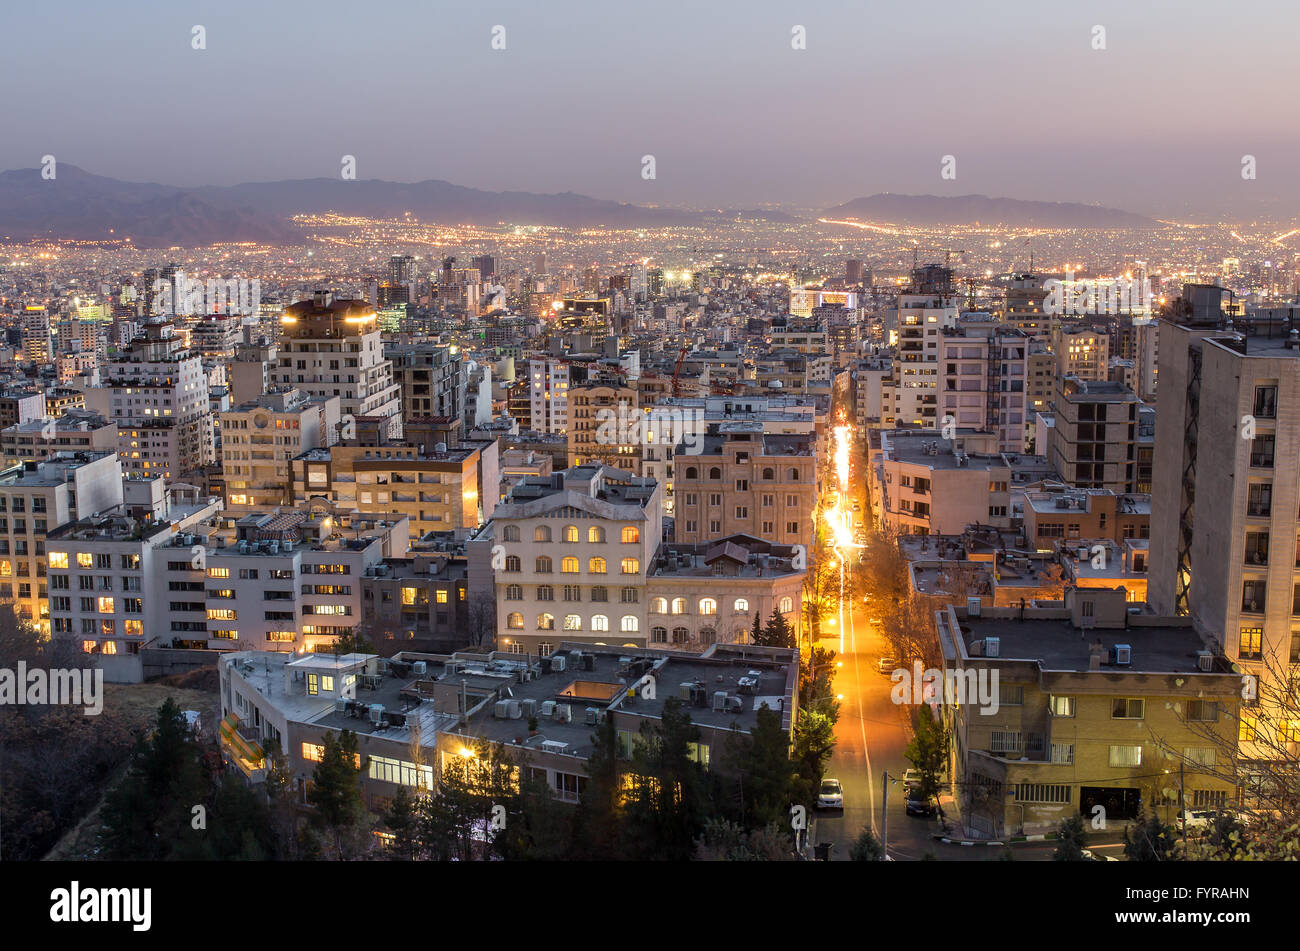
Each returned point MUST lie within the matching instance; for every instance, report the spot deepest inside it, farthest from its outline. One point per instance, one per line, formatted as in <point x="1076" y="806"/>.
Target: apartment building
<point x="710" y="593"/>
<point x="260" y="438"/>
<point x="38" y="439"/>
<point x="437" y="490"/>
<point x="1094" y="440"/>
<point x="37" y="497"/>
<point x="874" y="394"/>
<point x="922" y="484"/>
<point x="1094" y="706"/>
<point x="605" y="425"/>
<point x="1081" y="352"/>
<point x="21" y="406"/>
<point x="333" y="347"/>
<point x="744" y="481"/>
<point x="157" y="394"/>
<point x="291" y="580"/>
<point x="1056" y="519"/>
<point x="572" y="555"/>
<point x="111" y="585"/>
<point x="1226" y="490"/>
<point x="431" y="379"/>
<point x="419" y="603"/>
<point x="982" y="386"/>
<point x="548" y="395"/>
<point x="915" y="327"/>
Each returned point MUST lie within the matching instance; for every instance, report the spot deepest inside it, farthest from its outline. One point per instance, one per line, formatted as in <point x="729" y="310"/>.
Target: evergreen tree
<point x="777" y="632"/>
<point x="867" y="847"/>
<point x="598" y="822"/>
<point x="401" y="820"/>
<point x="1149" y="840"/>
<point x="928" y="749"/>
<point x="336" y="794"/>
<point x="1069" y="847"/>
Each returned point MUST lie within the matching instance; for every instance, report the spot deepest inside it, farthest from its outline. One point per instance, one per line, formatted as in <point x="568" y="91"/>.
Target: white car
<point x="1195" y="820"/>
<point x="831" y="795"/>
<point x="912" y="777"/>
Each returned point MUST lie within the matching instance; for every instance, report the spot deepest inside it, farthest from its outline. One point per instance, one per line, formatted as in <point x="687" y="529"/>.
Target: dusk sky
<point x="1157" y="122"/>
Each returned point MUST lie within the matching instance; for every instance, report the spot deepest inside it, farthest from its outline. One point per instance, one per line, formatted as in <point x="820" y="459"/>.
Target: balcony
<point x="239" y="744"/>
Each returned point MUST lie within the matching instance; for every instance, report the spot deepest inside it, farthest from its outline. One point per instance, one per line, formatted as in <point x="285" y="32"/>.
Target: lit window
<point x="630" y="534"/>
<point x="630" y="624"/>
<point x="106" y="606"/>
<point x="58" y="559"/>
<point x="596" y="566"/>
<point x="85" y="560"/>
<point x="631" y="566"/>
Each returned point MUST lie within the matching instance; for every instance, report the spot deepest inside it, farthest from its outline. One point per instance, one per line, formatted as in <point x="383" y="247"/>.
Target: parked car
<point x="831" y="795"/>
<point x="887" y="665"/>
<point x="912" y="778"/>
<point x="1195" y="820"/>
<point x="919" y="804"/>
<point x="1091" y="856"/>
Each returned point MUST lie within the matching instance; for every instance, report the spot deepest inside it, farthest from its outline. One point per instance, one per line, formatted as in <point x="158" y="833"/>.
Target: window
<point x="571" y="533"/>
<point x="596" y="566"/>
<point x="631" y="566"/>
<point x="787" y="605"/>
<point x="599" y="622"/>
<point x="658" y="605"/>
<point x="631" y="596"/>
<point x="629" y="624"/>
<point x="510" y="533"/>
<point x="679" y="605"/>
<point x="569" y="565"/>
<point x="1011" y="695"/>
<point x="599" y="593"/>
<point x="572" y="622"/>
<point x="596" y="535"/>
<point x="514" y="592"/>
<point x="512" y="563"/>
<point x="542" y="533"/>
<point x="106" y="606"/>
<point x="658" y="635"/>
<point x="543" y="565"/>
<point x="1062" y="706"/>
<point x="1251" y="643"/>
<point x="212" y="572"/>
<point x="545" y="592"/>
<point x="1062" y="753"/>
<point x="1254" y="596"/>
<point x="1125" y="708"/>
<point x="631" y="534"/>
<point x="546" y="622"/>
<point x="58" y="559"/>
<point x="708" y="606"/>
<point x="515" y="621"/>
<point x="1125" y="756"/>
<point x="1266" y="402"/>
<point x="740" y="606"/>
<point x="1042" y="792"/>
<point x="1261" y="451"/>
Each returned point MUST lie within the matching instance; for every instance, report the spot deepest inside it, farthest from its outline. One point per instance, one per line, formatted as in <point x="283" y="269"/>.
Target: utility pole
<point x="884" y="816"/>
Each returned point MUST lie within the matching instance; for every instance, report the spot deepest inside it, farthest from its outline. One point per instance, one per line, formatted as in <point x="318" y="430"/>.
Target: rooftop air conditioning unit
<point x="972" y="607"/>
<point x="376" y="712"/>
<point x="273" y="547"/>
<point x="592" y="714"/>
<point x="340" y="704"/>
<point x="528" y="707"/>
<point x="512" y="709"/>
<point x="684" y="691"/>
<point x="288" y="546"/>
<point x="564" y="713"/>
<point x="1204" y="661"/>
<point x="992" y="646"/>
<point x="557" y="663"/>
<point x="737" y="704"/>
<point x="548" y="708"/>
<point x="1123" y="655"/>
<point x="975" y="649"/>
<point x="719" y="701"/>
<point x="420" y="667"/>
<point x="501" y="709"/>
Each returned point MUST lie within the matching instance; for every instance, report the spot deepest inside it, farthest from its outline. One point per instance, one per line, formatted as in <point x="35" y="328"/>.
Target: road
<point x="870" y="737"/>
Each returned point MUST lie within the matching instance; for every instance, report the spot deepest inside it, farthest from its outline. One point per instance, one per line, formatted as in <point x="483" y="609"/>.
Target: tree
<point x="481" y="620"/>
<point x="402" y="821"/>
<point x="814" y="739"/>
<point x="777" y="631"/>
<point x="724" y="841"/>
<point x="1149" y="840"/>
<point x="928" y="749"/>
<point x="666" y="804"/>
<point x="352" y="641"/>
<point x="756" y="633"/>
<point x="336" y="794"/>
<point x="817" y="683"/>
<point x="1069" y="846"/>
<point x="867" y="848"/>
<point x="764" y="775"/>
<point x="597" y="824"/>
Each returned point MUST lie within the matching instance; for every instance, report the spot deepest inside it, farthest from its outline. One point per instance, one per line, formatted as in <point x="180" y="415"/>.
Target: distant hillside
<point x="78" y="204"/>
<point x="972" y="209"/>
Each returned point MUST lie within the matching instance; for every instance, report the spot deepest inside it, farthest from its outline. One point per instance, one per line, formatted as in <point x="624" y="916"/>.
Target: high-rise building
<point x="1093" y="442"/>
<point x="260" y="437"/>
<point x="333" y="348"/>
<point x="157" y="394"/>
<point x="1226" y="489"/>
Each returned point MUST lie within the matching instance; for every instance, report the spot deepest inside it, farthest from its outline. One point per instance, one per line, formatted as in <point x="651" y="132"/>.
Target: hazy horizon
<point x="734" y="116"/>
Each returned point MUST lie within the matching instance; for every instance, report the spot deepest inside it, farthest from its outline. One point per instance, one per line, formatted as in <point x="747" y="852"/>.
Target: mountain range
<point x="80" y="205"/>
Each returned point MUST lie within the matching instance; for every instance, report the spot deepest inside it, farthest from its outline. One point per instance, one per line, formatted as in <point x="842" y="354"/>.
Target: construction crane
<point x="677" y="369"/>
<point x="947" y="254"/>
